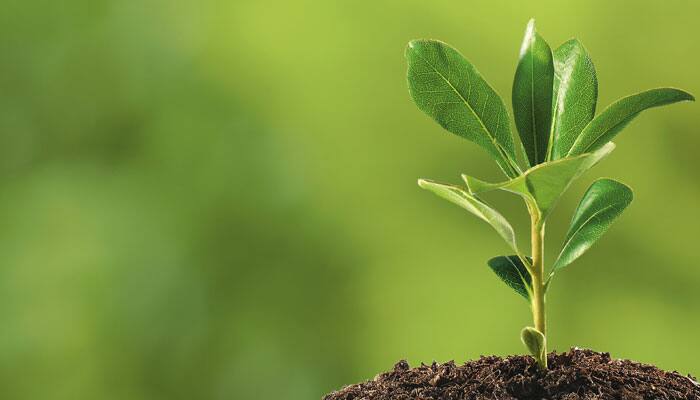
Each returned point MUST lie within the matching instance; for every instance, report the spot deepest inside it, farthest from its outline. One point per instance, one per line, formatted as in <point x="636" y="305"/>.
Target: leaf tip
<point x="574" y="42"/>
<point x="530" y="33"/>
<point x="628" y="192"/>
<point x="530" y="24"/>
<point x="413" y="44"/>
<point x="493" y="261"/>
<point x="423" y="183"/>
<point x="683" y="95"/>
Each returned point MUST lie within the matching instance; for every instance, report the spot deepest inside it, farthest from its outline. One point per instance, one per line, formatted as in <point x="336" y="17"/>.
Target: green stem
<point x="538" y="283"/>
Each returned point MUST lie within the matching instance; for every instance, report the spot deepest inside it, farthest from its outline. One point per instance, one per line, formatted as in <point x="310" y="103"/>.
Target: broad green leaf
<point x="536" y="343"/>
<point x="532" y="95"/>
<point x="575" y="96"/>
<point x="449" y="89"/>
<point x="604" y="201"/>
<point x="513" y="272"/>
<point x="544" y="184"/>
<point x="475" y="206"/>
<point x="610" y="122"/>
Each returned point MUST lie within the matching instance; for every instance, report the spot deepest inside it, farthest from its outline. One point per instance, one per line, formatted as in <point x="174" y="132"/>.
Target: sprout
<point x="554" y="100"/>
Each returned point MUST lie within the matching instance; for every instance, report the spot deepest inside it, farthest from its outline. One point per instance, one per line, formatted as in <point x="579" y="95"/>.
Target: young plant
<point x="554" y="100"/>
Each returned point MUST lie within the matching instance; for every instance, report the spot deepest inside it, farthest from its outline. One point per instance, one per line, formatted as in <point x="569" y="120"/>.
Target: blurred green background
<point x="217" y="199"/>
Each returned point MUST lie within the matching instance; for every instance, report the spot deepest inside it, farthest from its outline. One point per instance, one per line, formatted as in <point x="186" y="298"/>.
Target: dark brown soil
<point x="576" y="375"/>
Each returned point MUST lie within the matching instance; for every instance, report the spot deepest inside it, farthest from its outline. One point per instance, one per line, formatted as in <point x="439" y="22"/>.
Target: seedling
<point x="554" y="101"/>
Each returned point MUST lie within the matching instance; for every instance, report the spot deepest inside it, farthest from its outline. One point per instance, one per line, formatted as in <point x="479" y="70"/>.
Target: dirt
<point x="574" y="375"/>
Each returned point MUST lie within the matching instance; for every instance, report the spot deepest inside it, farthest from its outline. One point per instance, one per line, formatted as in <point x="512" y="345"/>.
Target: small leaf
<point x="545" y="183"/>
<point x="444" y="85"/>
<point x="575" y="96"/>
<point x="475" y="206"/>
<point x="514" y="273"/>
<point x="532" y="95"/>
<point x="610" y="122"/>
<point x="536" y="344"/>
<point x="604" y="201"/>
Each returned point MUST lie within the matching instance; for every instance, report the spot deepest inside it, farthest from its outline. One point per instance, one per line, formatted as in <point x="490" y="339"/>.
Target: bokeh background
<point x="217" y="199"/>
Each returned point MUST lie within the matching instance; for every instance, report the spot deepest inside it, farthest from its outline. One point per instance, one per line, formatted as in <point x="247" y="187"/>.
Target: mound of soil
<point x="575" y="375"/>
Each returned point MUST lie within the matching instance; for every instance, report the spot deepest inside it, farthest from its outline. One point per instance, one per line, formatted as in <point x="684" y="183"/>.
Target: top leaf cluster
<point x="554" y="100"/>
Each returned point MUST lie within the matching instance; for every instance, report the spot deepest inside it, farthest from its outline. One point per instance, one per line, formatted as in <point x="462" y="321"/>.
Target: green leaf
<point x="475" y="206"/>
<point x="514" y="273"/>
<point x="532" y="94"/>
<point x="610" y="122"/>
<point x="449" y="89"/>
<point x="604" y="201"/>
<point x="536" y="343"/>
<point x="576" y="94"/>
<point x="544" y="184"/>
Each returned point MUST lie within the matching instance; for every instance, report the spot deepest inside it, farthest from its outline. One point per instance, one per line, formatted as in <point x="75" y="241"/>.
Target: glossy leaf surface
<point x="475" y="206"/>
<point x="448" y="88"/>
<point x="576" y="94"/>
<point x="512" y="271"/>
<point x="602" y="203"/>
<point x="610" y="122"/>
<point x="545" y="183"/>
<point x="532" y="95"/>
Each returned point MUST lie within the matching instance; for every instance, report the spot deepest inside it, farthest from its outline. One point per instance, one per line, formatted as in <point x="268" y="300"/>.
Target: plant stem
<point x="538" y="284"/>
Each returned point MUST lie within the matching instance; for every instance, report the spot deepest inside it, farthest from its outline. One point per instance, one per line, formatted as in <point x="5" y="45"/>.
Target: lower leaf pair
<point x="602" y="203"/>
